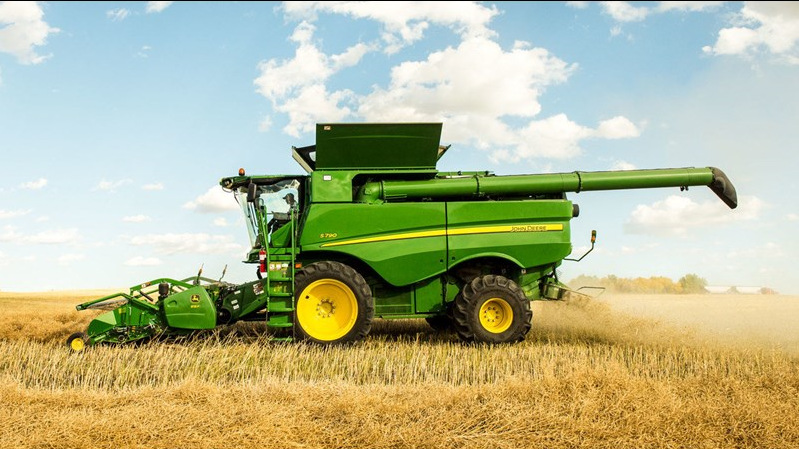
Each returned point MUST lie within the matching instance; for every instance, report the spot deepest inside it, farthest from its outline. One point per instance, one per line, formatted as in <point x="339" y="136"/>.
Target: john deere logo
<point x="195" y="298"/>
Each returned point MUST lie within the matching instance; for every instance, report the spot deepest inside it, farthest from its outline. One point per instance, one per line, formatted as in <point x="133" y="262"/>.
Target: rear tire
<point x="492" y="309"/>
<point x="333" y="304"/>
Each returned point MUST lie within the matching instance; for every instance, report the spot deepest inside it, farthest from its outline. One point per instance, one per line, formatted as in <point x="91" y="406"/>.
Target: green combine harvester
<point x="374" y="230"/>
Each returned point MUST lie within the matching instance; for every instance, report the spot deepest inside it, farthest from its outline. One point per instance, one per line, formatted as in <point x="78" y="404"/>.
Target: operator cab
<point x="268" y="205"/>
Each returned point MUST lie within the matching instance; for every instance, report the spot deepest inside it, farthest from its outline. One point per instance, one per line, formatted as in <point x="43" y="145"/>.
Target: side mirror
<point x="252" y="191"/>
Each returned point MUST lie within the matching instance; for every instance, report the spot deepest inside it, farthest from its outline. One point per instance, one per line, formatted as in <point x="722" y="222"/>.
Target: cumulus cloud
<point x="761" y="27"/>
<point x="296" y="86"/>
<point x="405" y="22"/>
<point x="22" y="29"/>
<point x="558" y="137"/>
<point x="624" y="11"/>
<point x="622" y="165"/>
<point x="153" y="186"/>
<point x="221" y="222"/>
<point x="34" y="185"/>
<point x="111" y="186"/>
<point x="13" y="213"/>
<point x="156" y="6"/>
<point x="137" y="218"/>
<point x="577" y="5"/>
<point x="213" y="201"/>
<point x="617" y="128"/>
<point x="487" y="95"/>
<point x="676" y="215"/>
<point x="140" y="261"/>
<point x="688" y="6"/>
<point x="117" y="15"/>
<point x="168" y="244"/>
<point x="792" y="217"/>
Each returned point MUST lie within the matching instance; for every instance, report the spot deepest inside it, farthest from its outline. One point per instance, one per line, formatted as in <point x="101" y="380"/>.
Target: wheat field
<point x="587" y="376"/>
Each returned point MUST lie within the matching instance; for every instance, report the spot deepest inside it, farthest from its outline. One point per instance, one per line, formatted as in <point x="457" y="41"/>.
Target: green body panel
<point x="404" y="243"/>
<point x="429" y="295"/>
<point x="190" y="309"/>
<point x="331" y="187"/>
<point x="365" y="146"/>
<point x="524" y="232"/>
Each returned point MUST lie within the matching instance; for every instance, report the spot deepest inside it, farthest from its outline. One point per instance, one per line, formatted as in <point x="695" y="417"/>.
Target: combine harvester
<point x="374" y="230"/>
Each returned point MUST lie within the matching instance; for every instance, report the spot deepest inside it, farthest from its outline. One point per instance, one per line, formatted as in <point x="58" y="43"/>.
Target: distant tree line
<point x="690" y="283"/>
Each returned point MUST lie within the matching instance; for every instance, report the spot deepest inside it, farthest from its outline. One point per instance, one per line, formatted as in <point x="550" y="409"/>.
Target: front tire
<point x="78" y="341"/>
<point x="492" y="309"/>
<point x="333" y="304"/>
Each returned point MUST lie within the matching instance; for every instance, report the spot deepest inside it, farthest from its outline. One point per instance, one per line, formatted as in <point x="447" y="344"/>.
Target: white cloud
<point x="622" y="165"/>
<point x="311" y="105"/>
<point x="577" y="5"/>
<point x="168" y="244"/>
<point x="265" y="124"/>
<point x="51" y="237"/>
<point x="137" y="218"/>
<point x="111" y="186"/>
<point x="42" y="219"/>
<point x="771" y="27"/>
<point x="4" y="214"/>
<point x="213" y="201"/>
<point x="476" y="87"/>
<point x="157" y="6"/>
<point x="23" y="29"/>
<point x="615" y="31"/>
<point x="296" y="86"/>
<point x="792" y="217"/>
<point x="624" y="11"/>
<point x="688" y="6"/>
<point x="140" y="261"/>
<point x="221" y="222"/>
<point x="405" y="22"/>
<point x="143" y="52"/>
<point x="153" y="186"/>
<point x="54" y="237"/>
<point x="617" y="128"/>
<point x="34" y="185"/>
<point x="555" y="137"/>
<point x="67" y="259"/>
<point x="117" y="15"/>
<point x="676" y="215"/>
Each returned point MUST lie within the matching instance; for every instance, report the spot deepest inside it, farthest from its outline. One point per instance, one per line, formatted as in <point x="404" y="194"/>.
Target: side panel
<point x="531" y="232"/>
<point x="403" y="242"/>
<point x="190" y="309"/>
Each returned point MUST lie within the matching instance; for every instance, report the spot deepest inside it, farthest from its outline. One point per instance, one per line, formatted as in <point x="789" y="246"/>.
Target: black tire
<point x="314" y="306"/>
<point x="506" y="317"/>
<point x="80" y="339"/>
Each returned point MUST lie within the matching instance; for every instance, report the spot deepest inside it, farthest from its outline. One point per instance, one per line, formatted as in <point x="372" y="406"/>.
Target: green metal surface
<point x="365" y="146"/>
<point x="404" y="243"/>
<point x="190" y="309"/>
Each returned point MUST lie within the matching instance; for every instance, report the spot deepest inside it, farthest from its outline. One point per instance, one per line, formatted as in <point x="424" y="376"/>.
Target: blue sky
<point x="118" y="119"/>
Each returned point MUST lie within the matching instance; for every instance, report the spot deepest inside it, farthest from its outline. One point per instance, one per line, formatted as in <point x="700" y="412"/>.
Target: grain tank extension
<point x="374" y="230"/>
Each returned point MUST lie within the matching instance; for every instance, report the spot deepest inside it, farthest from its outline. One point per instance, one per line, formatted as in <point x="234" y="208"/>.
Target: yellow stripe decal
<point x="449" y="232"/>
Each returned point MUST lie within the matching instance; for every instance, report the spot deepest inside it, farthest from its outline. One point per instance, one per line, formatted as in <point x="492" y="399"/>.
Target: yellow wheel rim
<point x="496" y="315"/>
<point x="77" y="344"/>
<point x="327" y="309"/>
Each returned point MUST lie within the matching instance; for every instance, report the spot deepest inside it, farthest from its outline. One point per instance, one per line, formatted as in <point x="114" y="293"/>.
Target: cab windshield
<point x="276" y="199"/>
